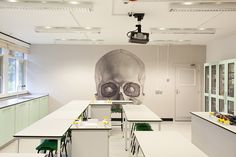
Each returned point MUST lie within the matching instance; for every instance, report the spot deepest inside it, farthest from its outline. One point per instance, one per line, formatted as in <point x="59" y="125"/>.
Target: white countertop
<point x="206" y="116"/>
<point x="166" y="144"/>
<point x="140" y="113"/>
<point x="91" y="126"/>
<point x="110" y="102"/>
<point x="20" y="155"/>
<point x="100" y="102"/>
<point x="122" y="101"/>
<point x="57" y="123"/>
<point x="6" y="102"/>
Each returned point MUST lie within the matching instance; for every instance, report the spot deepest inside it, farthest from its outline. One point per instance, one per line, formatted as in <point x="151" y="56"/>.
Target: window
<point x="13" y="61"/>
<point x="21" y="74"/>
<point x="11" y="75"/>
<point x="1" y="74"/>
<point x="16" y="72"/>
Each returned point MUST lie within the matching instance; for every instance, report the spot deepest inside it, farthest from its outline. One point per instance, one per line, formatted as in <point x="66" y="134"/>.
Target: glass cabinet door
<point x="231" y="107"/>
<point x="207" y="78"/>
<point x="221" y="105"/>
<point x="221" y="79"/>
<point x="206" y="103"/>
<point x="213" y="104"/>
<point x="231" y="79"/>
<point x="213" y="79"/>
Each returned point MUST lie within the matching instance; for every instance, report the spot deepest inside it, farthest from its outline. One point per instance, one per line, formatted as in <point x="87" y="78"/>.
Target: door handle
<point x="177" y="91"/>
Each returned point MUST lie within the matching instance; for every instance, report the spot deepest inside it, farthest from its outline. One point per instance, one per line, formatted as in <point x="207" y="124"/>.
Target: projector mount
<point x="139" y="17"/>
<point x="137" y="36"/>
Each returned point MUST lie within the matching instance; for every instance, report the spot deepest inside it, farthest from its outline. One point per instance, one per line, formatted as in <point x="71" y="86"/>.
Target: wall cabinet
<point x="19" y="116"/>
<point x="220" y="86"/>
<point x="7" y="121"/>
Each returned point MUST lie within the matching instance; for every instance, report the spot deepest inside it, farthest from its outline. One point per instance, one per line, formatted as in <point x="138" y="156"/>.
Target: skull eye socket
<point x="131" y="89"/>
<point x="109" y="89"/>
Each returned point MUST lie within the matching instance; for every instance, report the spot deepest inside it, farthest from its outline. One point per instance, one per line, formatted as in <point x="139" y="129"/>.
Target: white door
<point x="188" y="96"/>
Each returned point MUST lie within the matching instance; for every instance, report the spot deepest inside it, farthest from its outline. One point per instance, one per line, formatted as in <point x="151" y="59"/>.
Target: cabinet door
<point x="22" y="116"/>
<point x="213" y="79"/>
<point x="222" y="80"/>
<point x="33" y="111"/>
<point x="7" y="121"/>
<point x="230" y="85"/>
<point x="230" y="107"/>
<point x="207" y="78"/>
<point x="213" y="104"/>
<point x="231" y="96"/>
<point x="43" y="107"/>
<point x="207" y="104"/>
<point x="221" y="105"/>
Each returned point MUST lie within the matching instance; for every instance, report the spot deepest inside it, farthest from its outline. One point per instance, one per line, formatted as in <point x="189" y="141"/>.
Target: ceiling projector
<point x="137" y="36"/>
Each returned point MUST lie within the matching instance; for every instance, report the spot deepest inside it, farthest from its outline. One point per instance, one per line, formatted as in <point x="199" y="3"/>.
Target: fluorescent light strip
<point x="34" y="4"/>
<point x="172" y="41"/>
<point x="79" y="40"/>
<point x="187" y="1"/>
<point x="50" y="29"/>
<point x="183" y="30"/>
<point x="202" y="7"/>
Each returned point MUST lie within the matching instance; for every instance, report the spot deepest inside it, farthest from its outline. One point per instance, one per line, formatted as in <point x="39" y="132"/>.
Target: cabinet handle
<point x="177" y="91"/>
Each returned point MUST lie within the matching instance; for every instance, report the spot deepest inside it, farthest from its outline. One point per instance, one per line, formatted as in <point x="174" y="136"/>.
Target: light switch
<point x="158" y="92"/>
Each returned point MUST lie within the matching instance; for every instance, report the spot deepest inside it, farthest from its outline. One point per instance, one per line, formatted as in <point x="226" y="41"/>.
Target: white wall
<point x="66" y="72"/>
<point x="221" y="49"/>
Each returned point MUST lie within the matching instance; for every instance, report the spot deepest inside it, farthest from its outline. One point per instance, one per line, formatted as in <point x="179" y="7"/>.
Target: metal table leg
<point x="18" y="145"/>
<point x="59" y="148"/>
<point x="122" y="119"/>
<point x="125" y="131"/>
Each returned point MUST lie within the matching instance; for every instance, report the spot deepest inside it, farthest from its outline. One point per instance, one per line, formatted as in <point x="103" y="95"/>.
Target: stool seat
<point x="116" y="110"/>
<point x="50" y="145"/>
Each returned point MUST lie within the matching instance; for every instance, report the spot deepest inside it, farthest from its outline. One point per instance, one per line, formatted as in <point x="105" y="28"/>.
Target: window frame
<point x="6" y="56"/>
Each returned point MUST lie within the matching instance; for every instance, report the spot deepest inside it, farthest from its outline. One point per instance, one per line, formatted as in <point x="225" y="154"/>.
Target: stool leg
<point x="122" y="119"/>
<point x="66" y="151"/>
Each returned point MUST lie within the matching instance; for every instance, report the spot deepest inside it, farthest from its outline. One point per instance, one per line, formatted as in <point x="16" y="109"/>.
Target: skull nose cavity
<point x="121" y="96"/>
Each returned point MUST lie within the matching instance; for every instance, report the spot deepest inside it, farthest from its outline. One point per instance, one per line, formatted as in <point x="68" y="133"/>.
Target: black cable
<point x="128" y="33"/>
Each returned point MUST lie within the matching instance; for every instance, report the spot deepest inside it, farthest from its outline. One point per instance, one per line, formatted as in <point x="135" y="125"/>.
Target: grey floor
<point x="116" y="139"/>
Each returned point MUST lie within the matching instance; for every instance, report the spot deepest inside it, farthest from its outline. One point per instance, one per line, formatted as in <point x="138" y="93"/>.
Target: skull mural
<point x="120" y="75"/>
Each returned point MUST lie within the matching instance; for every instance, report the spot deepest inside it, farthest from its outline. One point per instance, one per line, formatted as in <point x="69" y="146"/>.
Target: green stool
<point x="138" y="127"/>
<point x="51" y="145"/>
<point x="119" y="110"/>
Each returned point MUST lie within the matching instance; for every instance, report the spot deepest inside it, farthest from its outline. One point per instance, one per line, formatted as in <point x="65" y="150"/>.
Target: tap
<point x="17" y="90"/>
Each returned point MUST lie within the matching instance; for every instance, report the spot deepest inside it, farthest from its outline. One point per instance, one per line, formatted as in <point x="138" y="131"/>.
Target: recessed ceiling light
<point x="187" y="3"/>
<point x="162" y="28"/>
<point x="202" y="29"/>
<point x="48" y="27"/>
<point x="13" y="1"/>
<point x="73" y="2"/>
